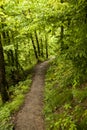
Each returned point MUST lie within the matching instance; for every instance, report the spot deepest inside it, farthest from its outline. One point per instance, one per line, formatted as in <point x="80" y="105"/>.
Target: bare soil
<point x="30" y="117"/>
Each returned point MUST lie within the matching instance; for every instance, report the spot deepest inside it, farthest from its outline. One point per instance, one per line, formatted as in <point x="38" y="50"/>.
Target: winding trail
<point x="30" y="117"/>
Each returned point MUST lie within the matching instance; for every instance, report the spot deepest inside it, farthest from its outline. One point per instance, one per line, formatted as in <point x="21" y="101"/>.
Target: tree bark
<point x="37" y="41"/>
<point x="3" y="83"/>
<point x="16" y="56"/>
<point x="61" y="37"/>
<point x="42" y="53"/>
<point x="34" y="47"/>
<point x="46" y="44"/>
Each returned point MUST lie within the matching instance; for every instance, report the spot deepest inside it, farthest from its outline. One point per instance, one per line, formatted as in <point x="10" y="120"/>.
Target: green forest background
<point x="32" y="31"/>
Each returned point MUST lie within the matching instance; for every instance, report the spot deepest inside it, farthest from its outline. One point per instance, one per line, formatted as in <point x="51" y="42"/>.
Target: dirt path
<point x="30" y="117"/>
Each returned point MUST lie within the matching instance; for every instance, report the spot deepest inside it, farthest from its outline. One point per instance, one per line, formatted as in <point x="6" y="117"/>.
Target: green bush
<point x="65" y="99"/>
<point x="12" y="106"/>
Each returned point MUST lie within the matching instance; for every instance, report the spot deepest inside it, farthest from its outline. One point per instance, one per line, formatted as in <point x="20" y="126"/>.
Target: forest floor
<point x="30" y="117"/>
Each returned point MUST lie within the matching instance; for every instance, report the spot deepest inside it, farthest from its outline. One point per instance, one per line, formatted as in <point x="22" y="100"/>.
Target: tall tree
<point x="34" y="47"/>
<point x="46" y="44"/>
<point x="3" y="83"/>
<point x="37" y="42"/>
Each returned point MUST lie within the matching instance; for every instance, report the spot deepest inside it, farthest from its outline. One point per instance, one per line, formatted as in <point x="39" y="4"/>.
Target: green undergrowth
<point x="17" y="94"/>
<point x="65" y="98"/>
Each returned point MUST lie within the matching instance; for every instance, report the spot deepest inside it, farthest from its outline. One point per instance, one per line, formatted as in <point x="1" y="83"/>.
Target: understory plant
<point x="17" y="94"/>
<point x="65" y="98"/>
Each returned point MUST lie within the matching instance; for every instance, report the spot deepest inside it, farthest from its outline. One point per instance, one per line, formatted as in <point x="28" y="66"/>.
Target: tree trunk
<point x="42" y="54"/>
<point x="34" y="47"/>
<point x="37" y="41"/>
<point x="3" y="83"/>
<point x="16" y="56"/>
<point x="46" y="44"/>
<point x="61" y="37"/>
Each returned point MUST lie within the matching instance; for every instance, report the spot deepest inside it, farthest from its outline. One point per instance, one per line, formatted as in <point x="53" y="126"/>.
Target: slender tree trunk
<point x="46" y="44"/>
<point x="7" y="38"/>
<point x="12" y="57"/>
<point x="42" y="54"/>
<point x="16" y="56"/>
<point x="3" y="83"/>
<point x="85" y="13"/>
<point x="37" y="41"/>
<point x="61" y="37"/>
<point x="34" y="47"/>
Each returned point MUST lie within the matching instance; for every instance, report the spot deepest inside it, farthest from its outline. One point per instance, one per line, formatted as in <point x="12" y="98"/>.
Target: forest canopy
<point x="32" y="31"/>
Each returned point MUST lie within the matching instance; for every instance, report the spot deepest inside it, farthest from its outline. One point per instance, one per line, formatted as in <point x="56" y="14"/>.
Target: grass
<point x="17" y="98"/>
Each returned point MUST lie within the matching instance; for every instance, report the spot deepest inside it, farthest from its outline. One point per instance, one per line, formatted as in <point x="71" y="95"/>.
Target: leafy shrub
<point x="9" y="108"/>
<point x="65" y="103"/>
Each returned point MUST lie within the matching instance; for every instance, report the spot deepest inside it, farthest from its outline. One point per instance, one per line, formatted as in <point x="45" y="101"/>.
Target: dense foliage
<point x="33" y="30"/>
<point x="22" y="38"/>
<point x="16" y="100"/>
<point x="66" y="87"/>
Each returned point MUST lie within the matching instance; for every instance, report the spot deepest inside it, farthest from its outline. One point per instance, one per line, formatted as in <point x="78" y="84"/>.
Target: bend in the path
<point x="30" y="117"/>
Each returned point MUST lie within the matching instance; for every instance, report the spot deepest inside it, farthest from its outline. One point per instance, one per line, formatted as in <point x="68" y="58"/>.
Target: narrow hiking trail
<point x="30" y="117"/>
